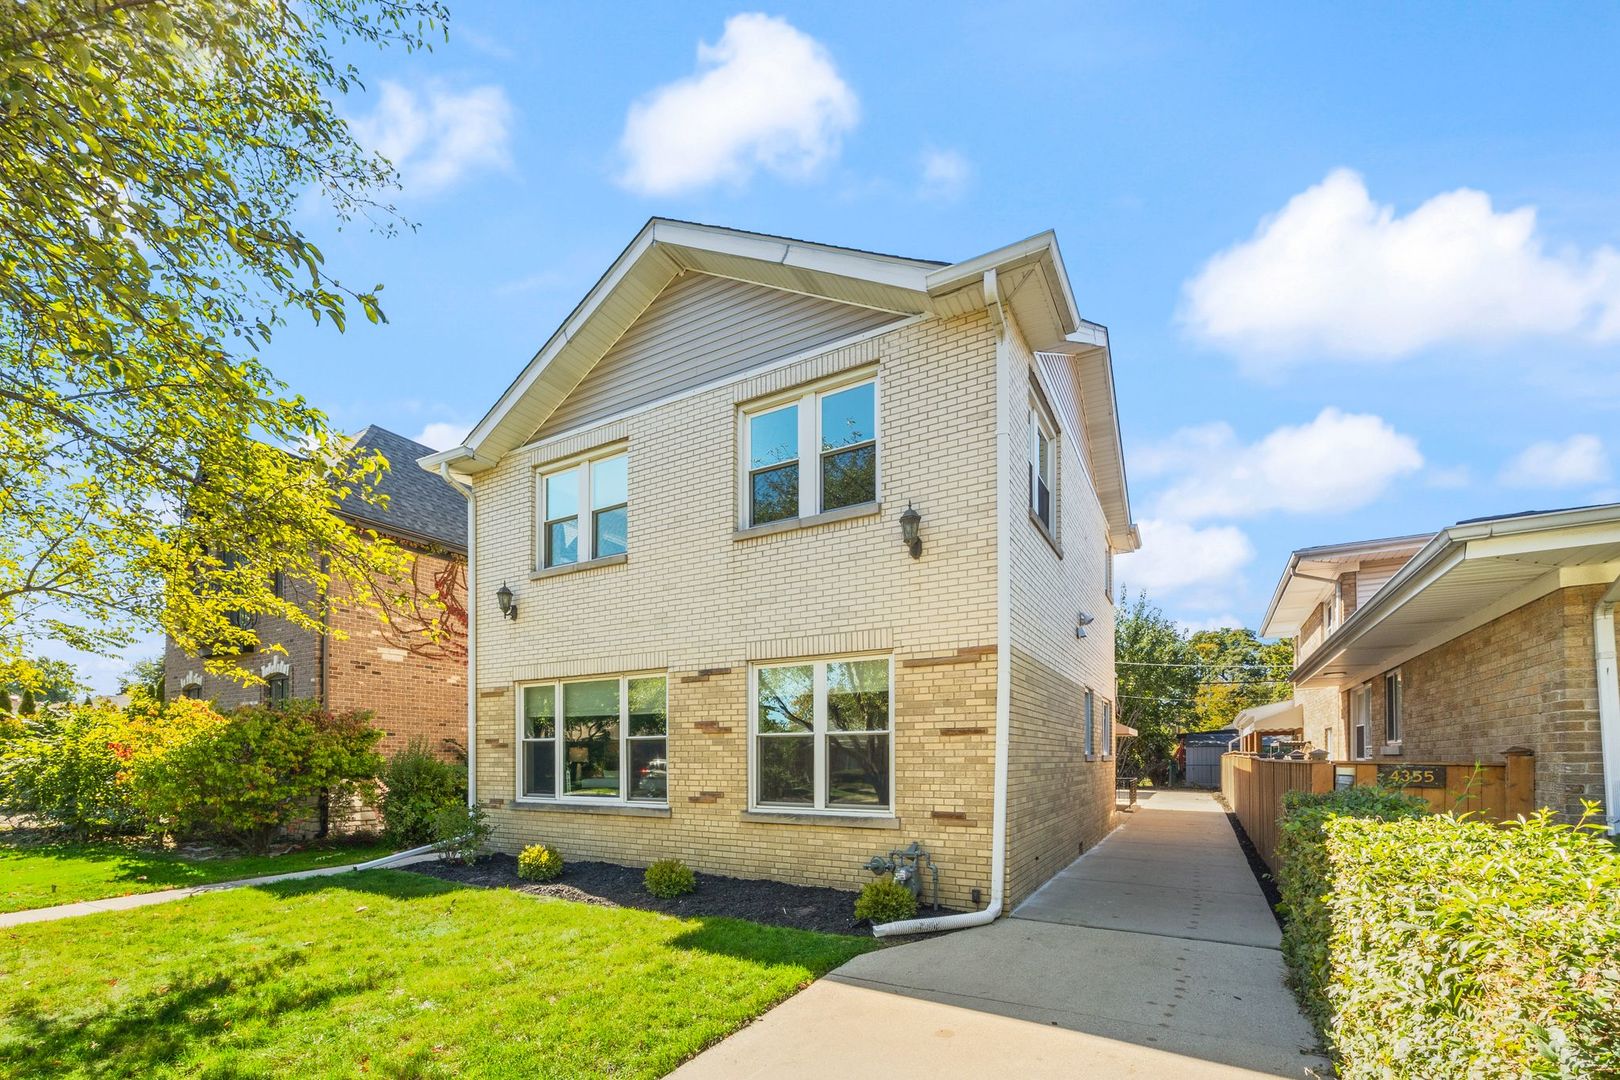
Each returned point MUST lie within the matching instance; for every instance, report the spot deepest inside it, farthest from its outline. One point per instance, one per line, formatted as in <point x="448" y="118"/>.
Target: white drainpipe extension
<point x="472" y="629"/>
<point x="1608" y="687"/>
<point x="1004" y="506"/>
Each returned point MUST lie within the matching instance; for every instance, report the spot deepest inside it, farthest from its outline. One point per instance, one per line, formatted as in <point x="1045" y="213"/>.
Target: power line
<point x="1166" y="663"/>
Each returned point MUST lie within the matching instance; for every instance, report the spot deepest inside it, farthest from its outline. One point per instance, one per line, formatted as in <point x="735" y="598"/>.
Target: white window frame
<point x="1090" y="710"/>
<point x="1394" y="698"/>
<point x="1042" y="425"/>
<point x="586" y="547"/>
<point x="1108" y="729"/>
<point x="559" y="742"/>
<point x="809" y="400"/>
<point x="1360" y="720"/>
<point x="819" y="733"/>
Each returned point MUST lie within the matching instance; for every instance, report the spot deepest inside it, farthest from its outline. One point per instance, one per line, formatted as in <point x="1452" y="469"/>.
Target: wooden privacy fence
<point x="1254" y="787"/>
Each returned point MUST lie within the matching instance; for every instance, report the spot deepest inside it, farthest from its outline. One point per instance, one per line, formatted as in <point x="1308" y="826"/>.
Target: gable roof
<point x="1468" y="574"/>
<point x="420" y="507"/>
<point x="1027" y="277"/>
<point x="1312" y="571"/>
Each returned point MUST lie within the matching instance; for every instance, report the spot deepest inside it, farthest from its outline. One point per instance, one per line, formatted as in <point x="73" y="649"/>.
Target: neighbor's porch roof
<point x="1467" y="575"/>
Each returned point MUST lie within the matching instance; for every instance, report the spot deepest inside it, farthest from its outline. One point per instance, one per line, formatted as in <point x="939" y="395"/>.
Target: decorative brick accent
<point x="952" y="732"/>
<point x="705" y="675"/>
<point x="968" y="654"/>
<point x="711" y="727"/>
<point x="706" y="797"/>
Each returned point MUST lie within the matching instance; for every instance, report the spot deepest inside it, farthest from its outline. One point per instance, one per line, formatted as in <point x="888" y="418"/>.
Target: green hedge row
<point x="1425" y="945"/>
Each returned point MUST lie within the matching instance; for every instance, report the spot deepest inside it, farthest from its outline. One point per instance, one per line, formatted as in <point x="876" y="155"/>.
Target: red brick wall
<point x="390" y="664"/>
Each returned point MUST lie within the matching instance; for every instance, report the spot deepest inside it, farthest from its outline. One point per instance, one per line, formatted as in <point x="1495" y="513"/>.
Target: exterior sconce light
<point x="909" y="523"/>
<point x="503" y="597"/>
<point x="1083" y="620"/>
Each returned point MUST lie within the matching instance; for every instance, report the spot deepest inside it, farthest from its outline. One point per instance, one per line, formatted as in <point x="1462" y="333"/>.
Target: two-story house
<point x="786" y="555"/>
<point x="1491" y="634"/>
<point x="414" y="681"/>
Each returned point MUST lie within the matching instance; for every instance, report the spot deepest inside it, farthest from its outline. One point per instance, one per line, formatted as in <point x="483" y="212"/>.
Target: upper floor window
<point x="595" y="492"/>
<point x="1042" y="466"/>
<point x="815" y="453"/>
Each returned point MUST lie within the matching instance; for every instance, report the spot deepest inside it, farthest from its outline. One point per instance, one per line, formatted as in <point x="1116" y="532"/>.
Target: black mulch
<point x="774" y="903"/>
<point x="1257" y="865"/>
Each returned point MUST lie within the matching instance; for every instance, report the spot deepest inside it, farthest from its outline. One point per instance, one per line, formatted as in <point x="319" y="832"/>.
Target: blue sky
<point x="1361" y="263"/>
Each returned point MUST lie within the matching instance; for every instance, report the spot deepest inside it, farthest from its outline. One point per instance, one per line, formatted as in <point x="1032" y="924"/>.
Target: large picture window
<point x="595" y="739"/>
<point x="584" y="511"/>
<point x="822" y="733"/>
<point x="814" y="453"/>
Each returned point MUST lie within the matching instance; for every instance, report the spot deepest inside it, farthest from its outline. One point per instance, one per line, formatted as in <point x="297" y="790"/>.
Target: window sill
<point x="1046" y="533"/>
<point x="1092" y="757"/>
<point x="558" y="806"/>
<point x="843" y="513"/>
<point x="811" y="817"/>
<point x="569" y="568"/>
<point x="1391" y="750"/>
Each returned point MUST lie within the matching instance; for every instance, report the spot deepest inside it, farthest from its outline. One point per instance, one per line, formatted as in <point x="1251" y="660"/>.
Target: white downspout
<point x="1608" y="688"/>
<point x="1004" y="507"/>
<point x="472" y="629"/>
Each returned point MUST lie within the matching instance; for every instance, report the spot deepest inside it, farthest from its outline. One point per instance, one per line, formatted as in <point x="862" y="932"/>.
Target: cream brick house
<point x="1492" y="633"/>
<point x="700" y="627"/>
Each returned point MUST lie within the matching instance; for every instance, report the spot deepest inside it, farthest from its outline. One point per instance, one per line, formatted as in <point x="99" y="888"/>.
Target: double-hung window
<point x="814" y="453"/>
<point x="1360" y="714"/>
<point x="1108" y="727"/>
<point x="1091" y="731"/>
<point x="594" y="739"/>
<point x="1042" y="466"/>
<point x="822" y="735"/>
<point x="1392" y="707"/>
<point x="584" y="511"/>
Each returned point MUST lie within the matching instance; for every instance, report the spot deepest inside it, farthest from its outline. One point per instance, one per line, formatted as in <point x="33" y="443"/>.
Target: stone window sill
<point x="570" y="568"/>
<point x="558" y="806"/>
<point x="1046" y="534"/>
<point x="843" y="513"/>
<point x="836" y="821"/>
<point x="1391" y="749"/>
<point x="1092" y="757"/>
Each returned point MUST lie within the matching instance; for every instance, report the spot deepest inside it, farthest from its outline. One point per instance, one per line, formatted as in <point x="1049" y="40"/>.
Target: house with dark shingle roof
<point x="413" y="679"/>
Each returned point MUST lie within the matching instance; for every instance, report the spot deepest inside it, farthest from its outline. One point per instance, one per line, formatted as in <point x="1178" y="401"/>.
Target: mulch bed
<point x="1257" y="865"/>
<point x="774" y="903"/>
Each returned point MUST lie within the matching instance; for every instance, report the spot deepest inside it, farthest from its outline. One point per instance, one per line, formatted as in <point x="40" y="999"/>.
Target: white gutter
<point x="1004" y="507"/>
<point x="1608" y="685"/>
<point x="472" y="629"/>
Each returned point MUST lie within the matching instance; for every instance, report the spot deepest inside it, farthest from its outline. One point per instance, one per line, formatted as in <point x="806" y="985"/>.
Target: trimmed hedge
<point x="669" y="878"/>
<point x="1426" y="945"/>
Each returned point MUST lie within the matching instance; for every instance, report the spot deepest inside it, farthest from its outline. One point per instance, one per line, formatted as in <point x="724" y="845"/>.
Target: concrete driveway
<point x="1154" y="955"/>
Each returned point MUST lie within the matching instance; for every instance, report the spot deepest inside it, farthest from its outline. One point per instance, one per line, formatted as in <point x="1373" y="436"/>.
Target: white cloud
<point x="765" y="96"/>
<point x="945" y="175"/>
<point x="1448" y="478"/>
<point x="437" y="137"/>
<point x="1338" y="461"/>
<point x="1579" y="459"/>
<point x="441" y="435"/>
<point x="1336" y="272"/>
<point x="1213" y="622"/>
<point x="1175" y="555"/>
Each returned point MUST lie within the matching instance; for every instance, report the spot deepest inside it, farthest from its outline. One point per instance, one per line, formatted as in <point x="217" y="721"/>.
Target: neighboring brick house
<point x="1493" y="633"/>
<point x="386" y="662"/>
<point x="695" y="502"/>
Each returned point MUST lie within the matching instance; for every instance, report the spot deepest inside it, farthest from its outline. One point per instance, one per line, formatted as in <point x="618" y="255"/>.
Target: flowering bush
<point x="537" y="862"/>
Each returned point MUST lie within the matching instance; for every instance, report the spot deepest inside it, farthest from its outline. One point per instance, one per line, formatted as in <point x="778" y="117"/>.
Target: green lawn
<point x="43" y="875"/>
<point x="391" y="974"/>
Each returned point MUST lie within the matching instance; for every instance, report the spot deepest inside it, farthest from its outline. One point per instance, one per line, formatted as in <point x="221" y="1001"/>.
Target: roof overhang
<point x="1463" y="578"/>
<point x="1280" y="717"/>
<point x="1032" y="283"/>
<point x="1091" y="364"/>
<point x="1312" y="572"/>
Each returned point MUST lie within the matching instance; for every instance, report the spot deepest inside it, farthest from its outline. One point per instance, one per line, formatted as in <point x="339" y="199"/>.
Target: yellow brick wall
<point x="1059" y="801"/>
<point x="691" y="598"/>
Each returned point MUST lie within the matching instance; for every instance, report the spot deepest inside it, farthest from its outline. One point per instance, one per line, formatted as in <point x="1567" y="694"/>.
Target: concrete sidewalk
<point x="1154" y="955"/>
<point x="135" y="900"/>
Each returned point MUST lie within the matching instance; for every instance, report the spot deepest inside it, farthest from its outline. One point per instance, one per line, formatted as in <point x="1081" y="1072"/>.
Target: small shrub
<point x="669" y="878"/>
<point x="416" y="786"/>
<point x="245" y="776"/>
<point x="885" y="900"/>
<point x="537" y="862"/>
<point x="460" y="833"/>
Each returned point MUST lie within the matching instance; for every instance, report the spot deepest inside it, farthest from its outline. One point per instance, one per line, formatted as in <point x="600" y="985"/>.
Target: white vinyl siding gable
<point x="703" y="329"/>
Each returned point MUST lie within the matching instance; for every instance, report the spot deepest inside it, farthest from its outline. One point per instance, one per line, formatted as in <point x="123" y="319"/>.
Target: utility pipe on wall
<point x="471" y="496"/>
<point x="1608" y="688"/>
<point x="1004" y="506"/>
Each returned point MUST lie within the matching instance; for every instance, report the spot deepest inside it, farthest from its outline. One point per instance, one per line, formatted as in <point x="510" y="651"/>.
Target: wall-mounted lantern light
<point x="910" y="521"/>
<point x="1083" y="620"/>
<point x="503" y="597"/>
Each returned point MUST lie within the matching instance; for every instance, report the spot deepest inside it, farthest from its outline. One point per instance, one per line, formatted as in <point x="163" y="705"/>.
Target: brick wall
<point x="1060" y="800"/>
<point x="1524" y="679"/>
<point x="300" y="660"/>
<point x="389" y="663"/>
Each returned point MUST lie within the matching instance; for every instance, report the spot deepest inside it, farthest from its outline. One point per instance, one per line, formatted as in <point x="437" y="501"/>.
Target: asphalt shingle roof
<point x="420" y="505"/>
